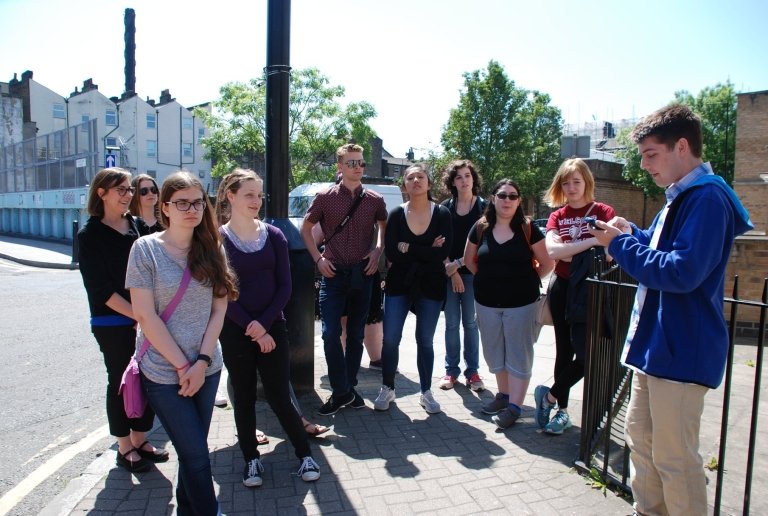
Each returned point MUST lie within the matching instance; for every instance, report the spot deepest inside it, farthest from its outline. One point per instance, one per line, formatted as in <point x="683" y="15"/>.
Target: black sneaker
<point x="332" y="405"/>
<point x="358" y="402"/>
<point x="309" y="471"/>
<point x="252" y="473"/>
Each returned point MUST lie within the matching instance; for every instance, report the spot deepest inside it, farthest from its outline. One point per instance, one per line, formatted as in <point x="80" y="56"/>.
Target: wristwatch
<point x="204" y="358"/>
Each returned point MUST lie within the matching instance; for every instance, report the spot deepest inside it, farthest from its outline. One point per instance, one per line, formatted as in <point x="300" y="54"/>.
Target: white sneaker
<point x="385" y="397"/>
<point x="252" y="473"/>
<point x="309" y="471"/>
<point x="428" y="402"/>
<point x="221" y="400"/>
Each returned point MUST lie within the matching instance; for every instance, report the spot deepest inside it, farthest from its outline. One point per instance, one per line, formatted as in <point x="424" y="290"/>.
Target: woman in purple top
<point x="254" y="337"/>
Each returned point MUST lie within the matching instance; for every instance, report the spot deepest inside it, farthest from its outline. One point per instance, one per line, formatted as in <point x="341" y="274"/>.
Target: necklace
<point x="182" y="249"/>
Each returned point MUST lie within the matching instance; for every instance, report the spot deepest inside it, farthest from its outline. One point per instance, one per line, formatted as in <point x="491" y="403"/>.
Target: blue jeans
<point x="347" y="290"/>
<point x="187" y="419"/>
<point x="460" y="309"/>
<point x="395" y="311"/>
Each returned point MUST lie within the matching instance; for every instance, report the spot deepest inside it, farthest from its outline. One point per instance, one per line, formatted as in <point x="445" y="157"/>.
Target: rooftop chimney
<point x="130" y="51"/>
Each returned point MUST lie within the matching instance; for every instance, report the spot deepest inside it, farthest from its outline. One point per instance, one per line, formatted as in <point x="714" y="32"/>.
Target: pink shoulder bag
<point x="134" y="400"/>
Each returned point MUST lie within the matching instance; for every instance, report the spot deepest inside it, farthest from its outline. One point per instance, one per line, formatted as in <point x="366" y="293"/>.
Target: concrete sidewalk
<point x="404" y="461"/>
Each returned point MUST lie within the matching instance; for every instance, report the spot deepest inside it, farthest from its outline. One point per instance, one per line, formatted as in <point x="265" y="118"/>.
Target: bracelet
<point x="318" y="259"/>
<point x="183" y="367"/>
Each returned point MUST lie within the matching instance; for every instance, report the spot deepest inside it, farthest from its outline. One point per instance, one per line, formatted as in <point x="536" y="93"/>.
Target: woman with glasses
<point x="254" y="337"/>
<point x="463" y="182"/>
<point x="180" y="370"/>
<point x="507" y="255"/>
<point x="105" y="242"/>
<point x="144" y="201"/>
<point x="573" y="190"/>
<point x="416" y="242"/>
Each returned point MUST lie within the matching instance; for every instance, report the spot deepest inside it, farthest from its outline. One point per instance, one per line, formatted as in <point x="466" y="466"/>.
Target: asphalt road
<point x="51" y="387"/>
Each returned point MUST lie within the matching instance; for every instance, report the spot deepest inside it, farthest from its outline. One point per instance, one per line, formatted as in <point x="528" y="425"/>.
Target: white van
<point x="300" y="198"/>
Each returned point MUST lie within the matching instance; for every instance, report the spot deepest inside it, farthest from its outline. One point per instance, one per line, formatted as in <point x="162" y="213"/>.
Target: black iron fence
<point x="607" y="383"/>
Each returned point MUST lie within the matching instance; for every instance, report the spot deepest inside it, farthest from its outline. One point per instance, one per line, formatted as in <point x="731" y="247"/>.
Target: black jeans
<point x="243" y="359"/>
<point x="117" y="345"/>
<point x="570" y="344"/>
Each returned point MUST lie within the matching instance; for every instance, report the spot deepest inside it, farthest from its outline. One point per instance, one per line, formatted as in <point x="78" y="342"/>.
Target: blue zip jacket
<point x="682" y="333"/>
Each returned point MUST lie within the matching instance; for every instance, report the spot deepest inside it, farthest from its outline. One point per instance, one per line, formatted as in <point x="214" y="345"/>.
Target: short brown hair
<point x="452" y="169"/>
<point x="555" y="196"/>
<point x="344" y="149"/>
<point x="670" y="124"/>
<point x="106" y="178"/>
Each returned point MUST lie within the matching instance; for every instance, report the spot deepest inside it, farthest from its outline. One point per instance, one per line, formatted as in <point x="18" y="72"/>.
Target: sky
<point x="598" y="60"/>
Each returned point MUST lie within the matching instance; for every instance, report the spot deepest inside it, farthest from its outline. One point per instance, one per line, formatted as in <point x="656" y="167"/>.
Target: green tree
<point x="716" y="106"/>
<point x="505" y="130"/>
<point x="632" y="171"/>
<point x="318" y="125"/>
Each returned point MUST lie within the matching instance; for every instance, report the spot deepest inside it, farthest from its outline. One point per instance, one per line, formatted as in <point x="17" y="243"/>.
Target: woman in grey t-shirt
<point x="181" y="369"/>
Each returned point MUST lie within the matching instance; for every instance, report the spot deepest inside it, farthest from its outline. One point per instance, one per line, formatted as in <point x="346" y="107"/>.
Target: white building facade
<point x="51" y="147"/>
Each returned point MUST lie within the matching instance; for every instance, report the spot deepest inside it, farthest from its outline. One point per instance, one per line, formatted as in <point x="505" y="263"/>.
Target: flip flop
<point x="261" y="438"/>
<point x="319" y="429"/>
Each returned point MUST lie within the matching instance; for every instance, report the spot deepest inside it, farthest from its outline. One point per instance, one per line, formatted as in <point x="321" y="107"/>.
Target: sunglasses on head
<point x="503" y="196"/>
<point x="354" y="163"/>
<point x="144" y="190"/>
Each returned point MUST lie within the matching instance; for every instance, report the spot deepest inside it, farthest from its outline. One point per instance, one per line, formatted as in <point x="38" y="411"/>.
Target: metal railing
<point x="607" y="383"/>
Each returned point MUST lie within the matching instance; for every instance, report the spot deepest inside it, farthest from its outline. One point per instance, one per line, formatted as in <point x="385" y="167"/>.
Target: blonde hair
<point x="344" y="149"/>
<point x="555" y="196"/>
<point x="231" y="183"/>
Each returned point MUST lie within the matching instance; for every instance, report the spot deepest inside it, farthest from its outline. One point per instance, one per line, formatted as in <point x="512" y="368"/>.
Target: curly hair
<point x="452" y="170"/>
<point x="206" y="258"/>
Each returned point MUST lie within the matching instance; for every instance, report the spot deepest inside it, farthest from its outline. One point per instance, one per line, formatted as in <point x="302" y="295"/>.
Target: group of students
<point x="483" y="262"/>
<point x="238" y="286"/>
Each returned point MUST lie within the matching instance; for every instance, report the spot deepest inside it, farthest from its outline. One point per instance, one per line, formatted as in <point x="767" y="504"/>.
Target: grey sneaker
<point x="543" y="407"/>
<point x="505" y="418"/>
<point x="252" y="473"/>
<point x="496" y="405"/>
<point x="385" y="397"/>
<point x="309" y="471"/>
<point x="428" y="402"/>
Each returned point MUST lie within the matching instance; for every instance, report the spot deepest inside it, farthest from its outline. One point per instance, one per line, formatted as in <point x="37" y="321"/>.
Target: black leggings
<point x="243" y="359"/>
<point x="118" y="344"/>
<point x="570" y="344"/>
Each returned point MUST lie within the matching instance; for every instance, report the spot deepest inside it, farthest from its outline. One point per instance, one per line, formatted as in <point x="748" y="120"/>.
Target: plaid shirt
<point x="356" y="239"/>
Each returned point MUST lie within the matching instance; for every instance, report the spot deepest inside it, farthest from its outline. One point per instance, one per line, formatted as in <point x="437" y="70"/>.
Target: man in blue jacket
<point x="677" y="342"/>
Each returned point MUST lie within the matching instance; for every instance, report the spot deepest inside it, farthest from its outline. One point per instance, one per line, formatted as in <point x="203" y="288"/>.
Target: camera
<point x="592" y="221"/>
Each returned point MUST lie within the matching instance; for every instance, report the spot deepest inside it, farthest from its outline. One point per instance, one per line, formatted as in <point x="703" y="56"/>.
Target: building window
<point x="151" y="148"/>
<point x="59" y="111"/>
<point x="201" y="173"/>
<point x="186" y="123"/>
<point x="187" y="149"/>
<point x="111" y="118"/>
<point x="200" y="134"/>
<point x="84" y="119"/>
<point x="151" y="121"/>
<point x="111" y="142"/>
<point x="152" y="174"/>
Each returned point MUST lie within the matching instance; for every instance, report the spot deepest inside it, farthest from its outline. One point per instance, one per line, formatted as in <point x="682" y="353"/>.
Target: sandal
<point x="157" y="455"/>
<point x="137" y="466"/>
<point x="319" y="429"/>
<point x="261" y="438"/>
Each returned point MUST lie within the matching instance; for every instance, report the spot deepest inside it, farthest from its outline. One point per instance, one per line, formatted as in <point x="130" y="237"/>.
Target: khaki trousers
<point x="662" y="430"/>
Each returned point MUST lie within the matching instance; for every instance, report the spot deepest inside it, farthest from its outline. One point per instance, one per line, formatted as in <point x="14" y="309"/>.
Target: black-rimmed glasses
<point x="354" y="163"/>
<point x="504" y="196"/>
<point x="144" y="190"/>
<point x="122" y="190"/>
<point x="186" y="205"/>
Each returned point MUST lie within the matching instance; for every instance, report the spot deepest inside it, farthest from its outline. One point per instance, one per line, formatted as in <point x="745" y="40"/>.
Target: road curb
<point x="42" y="265"/>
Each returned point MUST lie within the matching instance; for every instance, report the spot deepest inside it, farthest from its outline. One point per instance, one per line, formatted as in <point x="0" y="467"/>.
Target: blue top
<point x="681" y="333"/>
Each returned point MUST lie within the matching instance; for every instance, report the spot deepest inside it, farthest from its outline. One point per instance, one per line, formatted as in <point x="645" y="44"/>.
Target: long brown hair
<point x="206" y="258"/>
<point x="231" y="183"/>
<point x="135" y="206"/>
